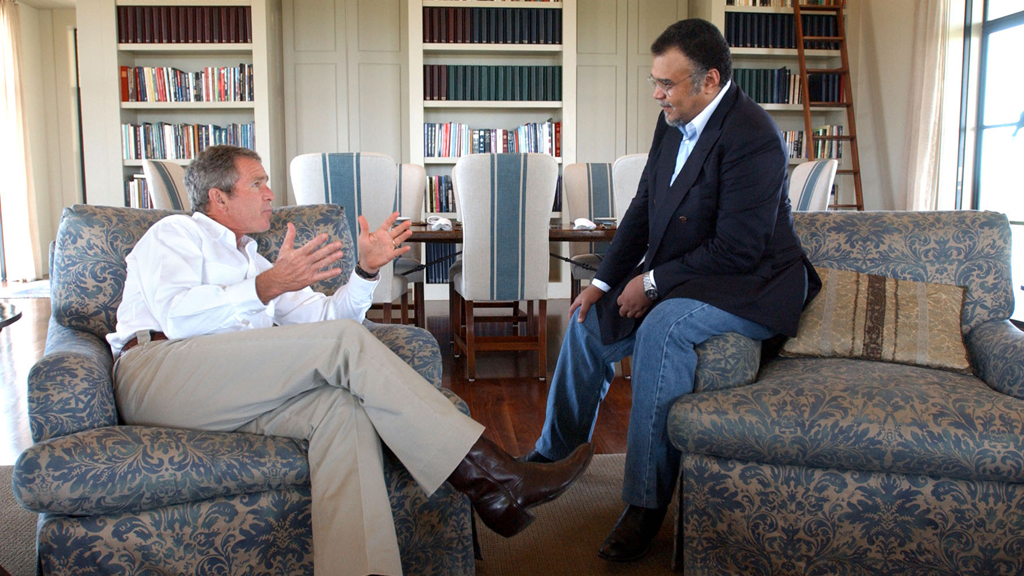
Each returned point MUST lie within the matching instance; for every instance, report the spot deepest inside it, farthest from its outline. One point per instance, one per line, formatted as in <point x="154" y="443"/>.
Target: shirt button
<point x="682" y="218"/>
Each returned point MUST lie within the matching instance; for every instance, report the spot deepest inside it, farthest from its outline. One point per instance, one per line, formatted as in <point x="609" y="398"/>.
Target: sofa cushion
<point x="858" y="415"/>
<point x="89" y="269"/>
<point x="877" y="318"/>
<point x="963" y="248"/>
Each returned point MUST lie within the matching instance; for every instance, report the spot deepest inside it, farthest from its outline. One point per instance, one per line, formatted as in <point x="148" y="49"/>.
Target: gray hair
<point x="214" y="168"/>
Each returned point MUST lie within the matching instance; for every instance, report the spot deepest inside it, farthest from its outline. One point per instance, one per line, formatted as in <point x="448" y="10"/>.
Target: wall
<point x="48" y="70"/>
<point x="613" y="61"/>
<point x="344" y="77"/>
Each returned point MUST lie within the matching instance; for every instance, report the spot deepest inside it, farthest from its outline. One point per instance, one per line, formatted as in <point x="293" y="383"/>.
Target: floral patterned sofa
<point x="131" y="500"/>
<point x="830" y="465"/>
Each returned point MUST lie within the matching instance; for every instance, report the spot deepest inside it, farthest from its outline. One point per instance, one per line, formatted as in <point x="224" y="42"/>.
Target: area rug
<point x="18" y="535"/>
<point x="564" y="539"/>
<point x="37" y="289"/>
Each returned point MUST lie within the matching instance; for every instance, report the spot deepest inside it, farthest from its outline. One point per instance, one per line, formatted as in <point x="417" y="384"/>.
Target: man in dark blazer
<point x="706" y="247"/>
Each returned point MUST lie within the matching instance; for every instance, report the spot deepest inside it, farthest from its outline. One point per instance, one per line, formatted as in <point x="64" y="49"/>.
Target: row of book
<point x="783" y="86"/>
<point x="181" y="141"/>
<point x="136" y="192"/>
<point x="184" y="24"/>
<point x="492" y="25"/>
<point x="796" y="144"/>
<point x="165" y="84"/>
<point x="439" y="195"/>
<point x="764" y="30"/>
<point x="781" y="3"/>
<point x="439" y="257"/>
<point x="455" y="139"/>
<point x="769" y="86"/>
<point x="503" y="83"/>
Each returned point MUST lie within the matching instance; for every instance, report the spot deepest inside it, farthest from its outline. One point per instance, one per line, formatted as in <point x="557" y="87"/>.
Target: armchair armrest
<point x="414" y="345"/>
<point x="996" y="349"/>
<point x="726" y="361"/>
<point x="69" y="389"/>
<point x="132" y="468"/>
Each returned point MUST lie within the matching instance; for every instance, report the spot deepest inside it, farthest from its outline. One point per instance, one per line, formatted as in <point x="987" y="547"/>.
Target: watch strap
<point x="366" y="275"/>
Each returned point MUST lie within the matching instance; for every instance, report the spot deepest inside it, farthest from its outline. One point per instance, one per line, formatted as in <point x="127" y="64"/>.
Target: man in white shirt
<point x="196" y="347"/>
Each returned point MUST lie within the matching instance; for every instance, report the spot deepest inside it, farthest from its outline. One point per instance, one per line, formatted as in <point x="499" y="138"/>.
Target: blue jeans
<point x="664" y="363"/>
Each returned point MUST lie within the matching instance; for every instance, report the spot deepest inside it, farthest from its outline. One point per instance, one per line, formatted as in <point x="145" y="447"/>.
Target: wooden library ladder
<point x="835" y="7"/>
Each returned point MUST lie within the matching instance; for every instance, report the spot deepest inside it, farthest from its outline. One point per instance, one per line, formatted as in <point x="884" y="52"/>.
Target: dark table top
<point x="557" y="233"/>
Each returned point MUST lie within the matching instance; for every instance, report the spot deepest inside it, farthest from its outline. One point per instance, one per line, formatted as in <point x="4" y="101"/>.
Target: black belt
<point x="153" y="335"/>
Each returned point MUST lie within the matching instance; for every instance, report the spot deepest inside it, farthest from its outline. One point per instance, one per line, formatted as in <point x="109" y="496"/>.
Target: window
<point x="999" y="146"/>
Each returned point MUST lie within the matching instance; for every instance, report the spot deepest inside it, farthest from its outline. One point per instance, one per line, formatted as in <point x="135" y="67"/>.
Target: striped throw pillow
<point x="877" y="318"/>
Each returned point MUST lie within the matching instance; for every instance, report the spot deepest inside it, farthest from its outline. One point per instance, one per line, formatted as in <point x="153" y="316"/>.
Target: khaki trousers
<point x="331" y="383"/>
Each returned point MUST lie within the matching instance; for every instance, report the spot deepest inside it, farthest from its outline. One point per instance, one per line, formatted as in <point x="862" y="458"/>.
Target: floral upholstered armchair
<point x="129" y="499"/>
<point x="887" y="438"/>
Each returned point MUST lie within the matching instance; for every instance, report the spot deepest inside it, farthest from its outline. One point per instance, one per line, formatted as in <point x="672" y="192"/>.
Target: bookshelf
<point x="481" y="37"/>
<point x="147" y="40"/>
<point x="762" y="40"/>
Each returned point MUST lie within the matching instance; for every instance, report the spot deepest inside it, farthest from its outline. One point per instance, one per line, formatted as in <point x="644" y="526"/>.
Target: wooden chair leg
<point x="470" y="341"/>
<point x="531" y="325"/>
<point x="418" y="305"/>
<point x="453" y="315"/>
<point x="542" y="340"/>
<point x="387" y="313"/>
<point x="515" y="324"/>
<point x="405" y="307"/>
<point x="574" y="290"/>
<point x="627" y="367"/>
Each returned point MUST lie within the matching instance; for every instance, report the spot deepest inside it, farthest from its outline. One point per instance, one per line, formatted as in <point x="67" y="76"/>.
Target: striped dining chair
<point x="166" y="185"/>
<point x="810" y="185"/>
<point x="505" y="202"/>
<point x="588" y="194"/>
<point x="412" y="183"/>
<point x="363" y="183"/>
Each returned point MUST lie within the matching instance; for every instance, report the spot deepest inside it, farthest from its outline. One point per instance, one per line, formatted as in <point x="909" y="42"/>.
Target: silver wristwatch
<point x="650" y="290"/>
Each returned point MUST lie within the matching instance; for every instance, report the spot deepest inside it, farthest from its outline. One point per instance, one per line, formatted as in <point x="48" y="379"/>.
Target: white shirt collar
<point x="693" y="130"/>
<point x="219" y="231"/>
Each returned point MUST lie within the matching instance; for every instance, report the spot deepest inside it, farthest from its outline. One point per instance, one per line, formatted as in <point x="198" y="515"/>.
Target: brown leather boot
<point x="502" y="488"/>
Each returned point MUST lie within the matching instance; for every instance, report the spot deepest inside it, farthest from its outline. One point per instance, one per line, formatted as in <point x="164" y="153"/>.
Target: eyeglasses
<point x="663" y="85"/>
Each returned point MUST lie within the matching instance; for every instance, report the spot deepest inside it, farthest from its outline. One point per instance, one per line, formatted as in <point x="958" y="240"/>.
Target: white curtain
<point x="17" y="197"/>
<point x="924" y="130"/>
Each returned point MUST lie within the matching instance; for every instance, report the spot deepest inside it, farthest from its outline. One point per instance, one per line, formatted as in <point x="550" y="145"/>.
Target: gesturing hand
<point x="384" y="244"/>
<point x="297" y="268"/>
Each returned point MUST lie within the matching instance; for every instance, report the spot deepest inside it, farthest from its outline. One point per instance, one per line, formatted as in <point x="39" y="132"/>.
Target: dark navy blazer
<point x="722" y="233"/>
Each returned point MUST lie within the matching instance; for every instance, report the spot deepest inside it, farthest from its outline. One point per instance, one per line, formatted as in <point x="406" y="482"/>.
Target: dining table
<point x="421" y="232"/>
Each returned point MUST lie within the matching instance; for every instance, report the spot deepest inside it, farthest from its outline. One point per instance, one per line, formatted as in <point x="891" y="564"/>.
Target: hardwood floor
<point x="505" y="397"/>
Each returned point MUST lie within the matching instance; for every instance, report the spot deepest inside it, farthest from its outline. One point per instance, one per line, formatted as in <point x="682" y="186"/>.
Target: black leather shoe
<point x="535" y="456"/>
<point x="633" y="533"/>
<point x="502" y="489"/>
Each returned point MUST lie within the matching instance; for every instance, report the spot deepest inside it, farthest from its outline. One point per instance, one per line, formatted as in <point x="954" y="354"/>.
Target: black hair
<point x="701" y="42"/>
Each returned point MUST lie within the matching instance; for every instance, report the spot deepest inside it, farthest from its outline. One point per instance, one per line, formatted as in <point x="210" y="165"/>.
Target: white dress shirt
<point x="187" y="276"/>
<point x="691" y="133"/>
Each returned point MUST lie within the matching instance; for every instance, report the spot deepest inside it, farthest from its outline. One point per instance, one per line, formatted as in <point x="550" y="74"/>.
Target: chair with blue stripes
<point x="362" y="183"/>
<point x="166" y="184"/>
<point x="588" y="194"/>
<point x="412" y="183"/>
<point x="810" y="185"/>
<point x="505" y="203"/>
